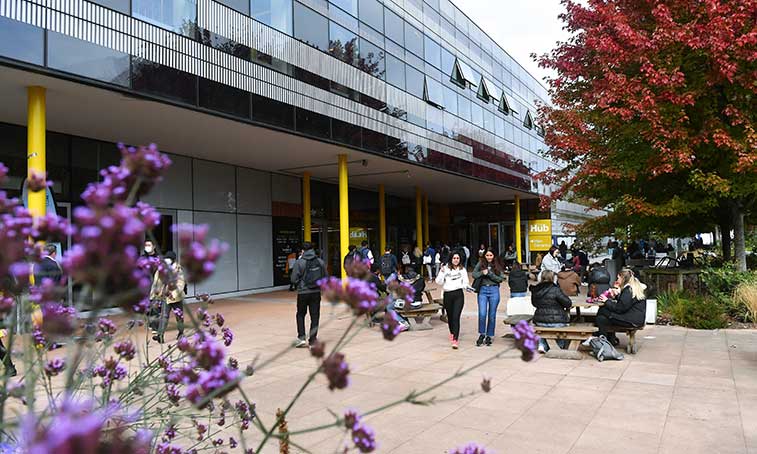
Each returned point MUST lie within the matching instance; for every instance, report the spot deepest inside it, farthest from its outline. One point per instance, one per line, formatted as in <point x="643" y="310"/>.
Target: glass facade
<point x="468" y="86"/>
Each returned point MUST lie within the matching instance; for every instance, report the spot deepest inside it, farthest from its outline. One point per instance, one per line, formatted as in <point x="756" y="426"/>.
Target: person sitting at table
<point x="599" y="280"/>
<point x="411" y="277"/>
<point x="569" y="281"/>
<point x="552" y="307"/>
<point x="518" y="281"/>
<point x="627" y="308"/>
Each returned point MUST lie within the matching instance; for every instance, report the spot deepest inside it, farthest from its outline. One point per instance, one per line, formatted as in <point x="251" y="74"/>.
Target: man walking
<point x="306" y="273"/>
<point x="388" y="264"/>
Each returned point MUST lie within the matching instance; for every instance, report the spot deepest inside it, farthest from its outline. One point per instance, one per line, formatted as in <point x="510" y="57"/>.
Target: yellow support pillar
<point x="418" y="217"/>
<point x="36" y="153"/>
<point x="517" y="229"/>
<point x="382" y="218"/>
<point x="426" y="236"/>
<point x="344" y="211"/>
<point x="306" y="207"/>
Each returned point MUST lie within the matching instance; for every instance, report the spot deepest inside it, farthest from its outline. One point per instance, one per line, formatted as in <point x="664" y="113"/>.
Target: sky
<point x="520" y="27"/>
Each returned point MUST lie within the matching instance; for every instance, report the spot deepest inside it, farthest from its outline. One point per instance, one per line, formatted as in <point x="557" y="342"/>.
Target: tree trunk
<point x="725" y="238"/>
<point x="738" y="237"/>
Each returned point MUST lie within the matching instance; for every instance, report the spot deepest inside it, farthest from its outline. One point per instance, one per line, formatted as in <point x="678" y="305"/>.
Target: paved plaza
<point x="686" y="391"/>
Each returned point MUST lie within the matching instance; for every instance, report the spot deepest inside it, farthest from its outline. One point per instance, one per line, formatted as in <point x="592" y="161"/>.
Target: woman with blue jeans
<point x="491" y="273"/>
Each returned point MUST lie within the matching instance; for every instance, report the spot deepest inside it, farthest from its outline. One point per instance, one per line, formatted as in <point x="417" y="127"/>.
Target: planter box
<point x="651" y="311"/>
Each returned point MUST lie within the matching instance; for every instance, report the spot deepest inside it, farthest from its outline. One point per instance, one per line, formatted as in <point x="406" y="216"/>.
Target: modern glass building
<point x="257" y="101"/>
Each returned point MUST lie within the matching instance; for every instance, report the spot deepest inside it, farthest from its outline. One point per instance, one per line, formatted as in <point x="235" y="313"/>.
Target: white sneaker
<point x="301" y="343"/>
<point x="541" y="349"/>
<point x="587" y="342"/>
<point x="416" y="304"/>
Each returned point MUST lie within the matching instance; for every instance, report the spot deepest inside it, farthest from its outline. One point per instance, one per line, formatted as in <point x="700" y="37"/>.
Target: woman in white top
<point x="453" y="278"/>
<point x="550" y="262"/>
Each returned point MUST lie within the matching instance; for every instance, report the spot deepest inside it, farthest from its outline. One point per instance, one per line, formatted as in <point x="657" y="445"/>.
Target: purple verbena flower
<point x="351" y="419"/>
<point x="219" y="319"/>
<point x="390" y="326"/>
<point x="55" y="366"/>
<point x="470" y="448"/>
<point x="37" y="181"/>
<point x="364" y="438"/>
<point x="198" y="259"/>
<point x="58" y="320"/>
<point x="125" y="350"/>
<point x="110" y="371"/>
<point x="526" y="340"/>
<point x="167" y="448"/>
<point x="337" y="371"/>
<point x="228" y="336"/>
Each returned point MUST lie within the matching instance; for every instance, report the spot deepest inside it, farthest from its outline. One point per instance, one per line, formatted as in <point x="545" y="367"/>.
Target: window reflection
<point x="274" y="13"/>
<point x="311" y="27"/>
<point x="372" y="13"/>
<point x="348" y="5"/>
<point x="163" y="81"/>
<point x="433" y="52"/>
<point x="434" y="93"/>
<point x="413" y="40"/>
<point x="343" y="44"/>
<point x="223" y="98"/>
<point x="395" y="71"/>
<point x="371" y="59"/>
<point x="21" y="41"/>
<point x="267" y="110"/>
<point x="179" y="16"/>
<point x="415" y="81"/>
<point x="395" y="28"/>
<point x="86" y="59"/>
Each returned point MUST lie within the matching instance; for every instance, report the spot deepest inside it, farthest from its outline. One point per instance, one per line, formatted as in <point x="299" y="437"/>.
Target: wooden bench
<point x="575" y="333"/>
<point x="438" y="301"/>
<point x="631" y="347"/>
<point x="513" y="320"/>
<point x="420" y="318"/>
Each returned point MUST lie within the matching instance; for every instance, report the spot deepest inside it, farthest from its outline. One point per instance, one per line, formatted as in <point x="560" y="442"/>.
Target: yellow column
<point x="426" y="237"/>
<point x="344" y="211"/>
<point x="36" y="146"/>
<point x="382" y="219"/>
<point x="517" y="229"/>
<point x="418" y="218"/>
<point x="306" y="206"/>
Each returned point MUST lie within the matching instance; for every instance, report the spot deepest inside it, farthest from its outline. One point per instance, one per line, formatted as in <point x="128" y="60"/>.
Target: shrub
<point x="721" y="283"/>
<point x="692" y="311"/>
<point x="745" y="296"/>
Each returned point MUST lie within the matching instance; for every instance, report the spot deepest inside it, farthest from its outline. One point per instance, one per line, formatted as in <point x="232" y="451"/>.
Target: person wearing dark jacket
<point x="48" y="267"/>
<point x="518" y="281"/>
<point x="306" y="272"/>
<point x="627" y="308"/>
<point x="552" y="306"/>
<point x="411" y="277"/>
<point x="491" y="273"/>
<point x="599" y="280"/>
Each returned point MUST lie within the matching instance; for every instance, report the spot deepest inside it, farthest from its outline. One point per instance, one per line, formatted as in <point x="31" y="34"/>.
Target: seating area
<point x="420" y="318"/>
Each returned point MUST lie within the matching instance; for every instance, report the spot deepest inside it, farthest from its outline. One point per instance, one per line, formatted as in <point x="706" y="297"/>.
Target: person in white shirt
<point x="466" y="251"/>
<point x="453" y="278"/>
<point x="550" y="263"/>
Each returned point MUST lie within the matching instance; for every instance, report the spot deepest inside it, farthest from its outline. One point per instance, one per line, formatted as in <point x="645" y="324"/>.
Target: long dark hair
<point x="496" y="264"/>
<point x="461" y="265"/>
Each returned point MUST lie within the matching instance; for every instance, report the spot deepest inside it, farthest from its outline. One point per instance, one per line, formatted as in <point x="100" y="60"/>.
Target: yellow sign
<point x="540" y="234"/>
<point x="358" y="235"/>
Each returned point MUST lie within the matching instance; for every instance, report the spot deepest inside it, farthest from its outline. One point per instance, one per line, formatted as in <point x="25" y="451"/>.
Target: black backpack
<point x="313" y="273"/>
<point x="386" y="265"/>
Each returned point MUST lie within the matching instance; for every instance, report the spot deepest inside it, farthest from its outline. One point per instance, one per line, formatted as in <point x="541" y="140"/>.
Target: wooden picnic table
<point x="583" y="304"/>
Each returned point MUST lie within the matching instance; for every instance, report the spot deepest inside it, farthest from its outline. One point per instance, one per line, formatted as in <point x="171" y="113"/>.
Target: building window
<point x="415" y="82"/>
<point x="489" y="91"/>
<point x="21" y="41"/>
<point x="506" y="105"/>
<point x="448" y="63"/>
<point x="163" y="81"/>
<point x="179" y="16"/>
<point x="267" y="110"/>
<point x="433" y="93"/>
<point x="477" y="115"/>
<point x="311" y="27"/>
<point x="395" y="71"/>
<point x="313" y="123"/>
<point x="395" y="28"/>
<point x="450" y="100"/>
<point x="528" y="122"/>
<point x="540" y="131"/>
<point x="433" y="53"/>
<point x="463" y="107"/>
<point x="463" y="74"/>
<point x="118" y="5"/>
<point x="413" y="40"/>
<point x="371" y="59"/>
<point x="348" y="5"/>
<point x="243" y="6"/>
<point x="372" y="13"/>
<point x="483" y="91"/>
<point x="274" y="13"/>
<point x="224" y="98"/>
<point x="75" y="56"/>
<point x="343" y="44"/>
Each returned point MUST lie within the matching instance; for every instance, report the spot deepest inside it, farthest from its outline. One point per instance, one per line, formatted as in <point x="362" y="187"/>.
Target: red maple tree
<point x="653" y="113"/>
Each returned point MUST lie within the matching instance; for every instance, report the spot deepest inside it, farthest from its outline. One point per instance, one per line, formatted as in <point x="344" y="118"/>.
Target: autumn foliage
<point x="654" y="109"/>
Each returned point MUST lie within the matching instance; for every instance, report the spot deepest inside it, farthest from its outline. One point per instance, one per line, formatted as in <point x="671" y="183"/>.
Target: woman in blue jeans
<point x="491" y="272"/>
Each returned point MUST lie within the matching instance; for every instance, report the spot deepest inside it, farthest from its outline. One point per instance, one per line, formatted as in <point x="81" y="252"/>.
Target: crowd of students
<point x="558" y="278"/>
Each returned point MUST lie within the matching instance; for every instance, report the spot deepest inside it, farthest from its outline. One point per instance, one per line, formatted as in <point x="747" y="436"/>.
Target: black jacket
<point x="552" y="305"/>
<point x="625" y="309"/>
<point x="417" y="282"/>
<point x="518" y="281"/>
<point x="297" y="276"/>
<point x="47" y="268"/>
<point x="380" y="286"/>
<point x="599" y="277"/>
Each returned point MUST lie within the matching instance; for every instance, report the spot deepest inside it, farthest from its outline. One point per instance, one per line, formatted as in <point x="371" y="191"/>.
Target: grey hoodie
<point x="298" y="272"/>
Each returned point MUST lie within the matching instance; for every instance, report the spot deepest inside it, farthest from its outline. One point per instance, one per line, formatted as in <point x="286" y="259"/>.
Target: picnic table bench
<point x="575" y="333"/>
<point x="631" y="347"/>
<point x="420" y="318"/>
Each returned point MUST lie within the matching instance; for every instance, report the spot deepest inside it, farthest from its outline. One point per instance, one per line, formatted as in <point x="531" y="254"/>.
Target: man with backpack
<point x="388" y="263"/>
<point x="307" y="271"/>
<point x="365" y="252"/>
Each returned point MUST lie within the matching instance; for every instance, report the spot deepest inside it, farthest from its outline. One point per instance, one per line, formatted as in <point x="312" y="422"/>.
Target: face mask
<point x="148" y="249"/>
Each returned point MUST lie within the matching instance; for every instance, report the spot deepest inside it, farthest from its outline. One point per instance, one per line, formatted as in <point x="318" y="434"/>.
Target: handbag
<point x="427" y="260"/>
<point x="602" y="349"/>
<point x="477" y="282"/>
